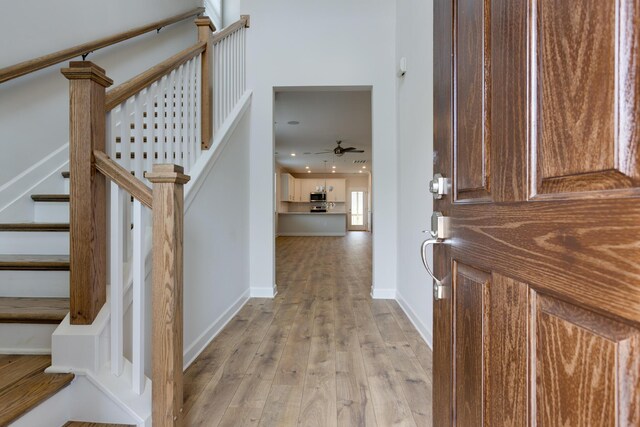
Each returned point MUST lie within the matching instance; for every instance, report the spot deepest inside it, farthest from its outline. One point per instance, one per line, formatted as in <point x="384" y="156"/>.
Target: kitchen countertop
<point x="312" y="213"/>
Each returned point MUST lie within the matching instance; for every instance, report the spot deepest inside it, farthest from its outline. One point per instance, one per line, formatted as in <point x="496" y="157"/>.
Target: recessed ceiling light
<point x="306" y="167"/>
<point x="364" y="167"/>
<point x="360" y="171"/>
<point x="293" y="154"/>
<point x="293" y="122"/>
<point x="308" y="171"/>
<point x="333" y="171"/>
<point x="333" y="167"/>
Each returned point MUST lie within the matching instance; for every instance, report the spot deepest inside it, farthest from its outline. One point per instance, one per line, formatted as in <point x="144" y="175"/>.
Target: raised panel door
<point x="536" y="125"/>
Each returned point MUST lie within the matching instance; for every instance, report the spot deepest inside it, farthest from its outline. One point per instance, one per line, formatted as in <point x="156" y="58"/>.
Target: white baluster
<point x="149" y="132"/>
<point x="186" y="111"/>
<point x="138" y="308"/>
<point x="198" y="128"/>
<point x="160" y="121"/>
<point x="125" y="134"/>
<point x="170" y="119"/>
<point x="116" y="273"/>
<point x="138" y="145"/>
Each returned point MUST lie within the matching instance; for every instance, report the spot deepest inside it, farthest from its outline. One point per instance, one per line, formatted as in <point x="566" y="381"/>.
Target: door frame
<point x="365" y="213"/>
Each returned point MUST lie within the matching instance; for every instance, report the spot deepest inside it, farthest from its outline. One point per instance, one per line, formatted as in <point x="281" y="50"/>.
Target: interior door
<point x="357" y="218"/>
<point x="536" y="126"/>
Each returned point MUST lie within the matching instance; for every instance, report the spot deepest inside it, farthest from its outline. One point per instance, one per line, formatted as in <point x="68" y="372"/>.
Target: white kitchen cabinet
<point x="339" y="192"/>
<point x="287" y="188"/>
<point x="307" y="186"/>
<point x="297" y="196"/>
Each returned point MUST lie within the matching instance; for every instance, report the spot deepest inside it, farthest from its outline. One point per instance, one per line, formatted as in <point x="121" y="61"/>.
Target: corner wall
<point x="414" y="40"/>
<point x="323" y="43"/>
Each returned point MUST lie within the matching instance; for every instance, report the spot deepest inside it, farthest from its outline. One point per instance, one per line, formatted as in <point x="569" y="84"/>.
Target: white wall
<point x="415" y="141"/>
<point x="216" y="244"/>
<point x="322" y="43"/>
<point x="34" y="117"/>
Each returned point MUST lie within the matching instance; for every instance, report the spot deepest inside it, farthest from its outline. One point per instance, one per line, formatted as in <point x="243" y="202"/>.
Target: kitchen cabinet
<point x="339" y="192"/>
<point x="297" y="195"/>
<point x="287" y="188"/>
<point x="307" y="186"/>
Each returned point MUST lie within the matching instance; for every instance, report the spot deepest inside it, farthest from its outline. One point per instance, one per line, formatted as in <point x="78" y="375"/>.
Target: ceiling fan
<point x="339" y="150"/>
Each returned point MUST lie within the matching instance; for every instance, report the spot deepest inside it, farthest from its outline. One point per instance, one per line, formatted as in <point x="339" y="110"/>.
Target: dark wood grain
<point x="471" y="288"/>
<point x="33" y="310"/>
<point x="41" y="62"/>
<point x="507" y="404"/>
<point x="557" y="246"/>
<point x="509" y="100"/>
<point x="50" y="197"/>
<point x="442" y="401"/>
<point x="576" y="57"/>
<point x="587" y="367"/>
<point x="34" y="226"/>
<point x="34" y="262"/>
<point x="473" y="98"/>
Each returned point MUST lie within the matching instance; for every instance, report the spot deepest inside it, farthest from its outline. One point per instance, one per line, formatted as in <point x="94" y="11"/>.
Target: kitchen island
<point x="312" y="224"/>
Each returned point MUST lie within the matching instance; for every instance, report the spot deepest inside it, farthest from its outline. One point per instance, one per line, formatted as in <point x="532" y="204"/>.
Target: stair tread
<point x="34" y="262"/>
<point x="27" y="393"/>
<point x="34" y="226"/>
<point x="33" y="310"/>
<point x="14" y="367"/>
<point x="50" y="197"/>
<point x="88" y="424"/>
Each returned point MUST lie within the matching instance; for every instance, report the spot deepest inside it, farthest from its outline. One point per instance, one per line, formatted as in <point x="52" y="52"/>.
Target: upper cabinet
<point x="298" y="189"/>
<point x="288" y="188"/>
<point x="336" y="190"/>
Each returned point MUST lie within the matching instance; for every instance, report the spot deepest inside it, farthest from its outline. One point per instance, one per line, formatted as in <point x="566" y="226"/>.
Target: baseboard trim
<point x="420" y="327"/>
<point x="383" y="293"/>
<point x="212" y="331"/>
<point x="312" y="234"/>
<point x="264" y="292"/>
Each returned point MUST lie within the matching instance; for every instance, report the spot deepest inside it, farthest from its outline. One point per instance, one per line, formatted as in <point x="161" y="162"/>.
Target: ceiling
<point x="324" y="116"/>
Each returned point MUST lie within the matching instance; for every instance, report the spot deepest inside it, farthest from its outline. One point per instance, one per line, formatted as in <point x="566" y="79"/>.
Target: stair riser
<point x="18" y="338"/>
<point x="34" y="242"/>
<point x="54" y="284"/>
<point x="66" y="185"/>
<point x="51" y="211"/>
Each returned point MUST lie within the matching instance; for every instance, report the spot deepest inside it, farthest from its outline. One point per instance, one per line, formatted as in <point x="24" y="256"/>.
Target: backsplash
<point x="305" y="207"/>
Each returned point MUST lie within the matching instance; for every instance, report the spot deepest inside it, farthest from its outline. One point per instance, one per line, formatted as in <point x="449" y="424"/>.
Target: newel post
<point x="168" y="216"/>
<point x="87" y="210"/>
<point x="205" y="28"/>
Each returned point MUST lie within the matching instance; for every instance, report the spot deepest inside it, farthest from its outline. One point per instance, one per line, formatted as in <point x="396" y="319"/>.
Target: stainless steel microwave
<point x="318" y="197"/>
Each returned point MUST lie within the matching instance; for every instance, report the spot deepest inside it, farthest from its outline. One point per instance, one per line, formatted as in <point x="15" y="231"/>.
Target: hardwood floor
<point x="322" y="353"/>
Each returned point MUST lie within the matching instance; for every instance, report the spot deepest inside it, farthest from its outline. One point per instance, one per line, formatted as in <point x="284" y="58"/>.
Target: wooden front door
<point x="537" y="112"/>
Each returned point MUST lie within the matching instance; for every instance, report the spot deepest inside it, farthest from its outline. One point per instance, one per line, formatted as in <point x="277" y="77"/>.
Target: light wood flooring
<point x="322" y="353"/>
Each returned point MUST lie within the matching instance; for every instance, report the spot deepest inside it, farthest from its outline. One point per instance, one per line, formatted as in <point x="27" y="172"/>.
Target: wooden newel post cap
<point x="79" y="70"/>
<point x="167" y="173"/>
<point x="204" y="21"/>
<point x="247" y="20"/>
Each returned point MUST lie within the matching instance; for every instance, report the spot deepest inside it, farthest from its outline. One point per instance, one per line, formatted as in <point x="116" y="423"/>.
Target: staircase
<point x="34" y="299"/>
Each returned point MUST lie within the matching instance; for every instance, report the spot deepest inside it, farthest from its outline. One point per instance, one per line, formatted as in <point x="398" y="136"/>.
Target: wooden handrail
<point x="129" y="88"/>
<point x="45" y="61"/>
<point x="242" y="22"/>
<point x="123" y="178"/>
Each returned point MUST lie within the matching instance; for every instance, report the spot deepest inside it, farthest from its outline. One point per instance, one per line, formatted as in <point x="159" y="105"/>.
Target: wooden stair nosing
<point x="50" y="197"/>
<point x="89" y="424"/>
<point x="33" y="310"/>
<point x="34" y="226"/>
<point x="65" y="174"/>
<point x="24" y="395"/>
<point x="26" y="262"/>
<point x="15" y="367"/>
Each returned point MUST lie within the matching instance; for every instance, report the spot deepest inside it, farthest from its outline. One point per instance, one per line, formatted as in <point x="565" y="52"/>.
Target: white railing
<point x="229" y="74"/>
<point x="160" y="124"/>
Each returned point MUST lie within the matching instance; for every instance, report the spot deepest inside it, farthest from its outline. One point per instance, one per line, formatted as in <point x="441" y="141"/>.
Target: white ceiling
<point x="325" y="116"/>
